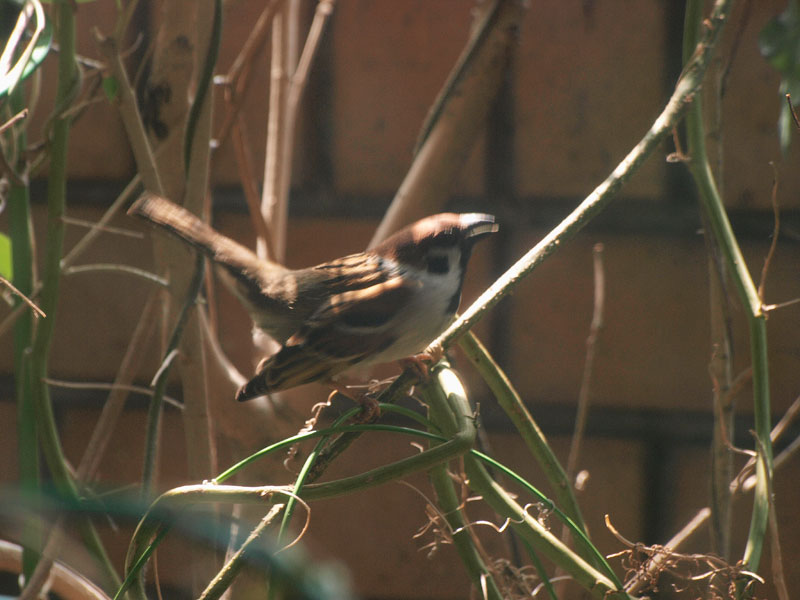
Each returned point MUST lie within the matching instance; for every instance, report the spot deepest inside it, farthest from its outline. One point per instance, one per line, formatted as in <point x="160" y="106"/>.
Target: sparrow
<point x="387" y="303"/>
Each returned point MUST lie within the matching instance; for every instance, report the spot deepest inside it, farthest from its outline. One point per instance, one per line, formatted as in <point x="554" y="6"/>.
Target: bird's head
<point x="438" y="243"/>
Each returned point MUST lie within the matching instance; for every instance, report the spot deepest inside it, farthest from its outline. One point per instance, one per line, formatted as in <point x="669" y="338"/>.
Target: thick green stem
<point x="530" y="529"/>
<point x="51" y="273"/>
<point x="22" y="261"/>
<point x="449" y="412"/>
<point x="720" y="367"/>
<point x="724" y="237"/>
<point x="66" y="89"/>
<point x="510" y="401"/>
<point x="536" y="534"/>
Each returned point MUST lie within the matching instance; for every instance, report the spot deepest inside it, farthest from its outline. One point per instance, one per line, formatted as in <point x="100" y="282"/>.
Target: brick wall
<point x="588" y="80"/>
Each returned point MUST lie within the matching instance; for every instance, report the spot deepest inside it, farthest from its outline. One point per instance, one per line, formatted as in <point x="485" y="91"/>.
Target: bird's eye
<point x="438" y="264"/>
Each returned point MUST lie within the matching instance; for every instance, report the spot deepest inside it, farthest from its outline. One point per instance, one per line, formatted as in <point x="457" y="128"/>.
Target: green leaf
<point x="110" y="87"/>
<point x="6" y="268"/>
<point x="779" y="43"/>
<point x="9" y="80"/>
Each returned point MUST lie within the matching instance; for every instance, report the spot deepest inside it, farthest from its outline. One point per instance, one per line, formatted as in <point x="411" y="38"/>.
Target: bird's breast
<point x="427" y="313"/>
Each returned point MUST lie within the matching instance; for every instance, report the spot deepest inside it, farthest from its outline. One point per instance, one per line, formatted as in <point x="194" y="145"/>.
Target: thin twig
<point x="87" y="224"/>
<point x="102" y="385"/>
<point x="113" y="407"/>
<point x="152" y="277"/>
<point x="782" y="457"/>
<point x="237" y="81"/>
<point x="244" y="161"/>
<point x="129" y="111"/>
<point x="786" y="420"/>
<point x="273" y="204"/>
<point x="776" y="215"/>
<point x="22" y="296"/>
<point x="289" y="94"/>
<point x="458" y="115"/>
<point x="641" y="579"/>
<point x="591" y="345"/>
<point x="23" y="114"/>
<point x="771" y="307"/>
<point x="300" y="77"/>
<point x="792" y="111"/>
<point x="102" y="224"/>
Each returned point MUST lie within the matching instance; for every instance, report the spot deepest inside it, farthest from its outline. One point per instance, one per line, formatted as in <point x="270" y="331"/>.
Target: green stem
<point x="51" y="273"/>
<point x="536" y="534"/>
<point x="510" y="401"/>
<point x="139" y="545"/>
<point x="22" y="261"/>
<point x="686" y="89"/>
<point x="529" y="528"/>
<point x="66" y="89"/>
<point x="203" y="94"/>
<point x="155" y="523"/>
<point x="724" y="237"/>
<point x="720" y="367"/>
<point x="224" y="578"/>
<point x="449" y="411"/>
<point x="160" y="385"/>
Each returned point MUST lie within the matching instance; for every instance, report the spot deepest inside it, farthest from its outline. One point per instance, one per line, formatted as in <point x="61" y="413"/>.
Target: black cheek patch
<point x="438" y="264"/>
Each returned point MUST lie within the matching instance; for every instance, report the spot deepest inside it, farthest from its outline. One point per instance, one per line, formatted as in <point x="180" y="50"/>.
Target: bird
<point x="381" y="305"/>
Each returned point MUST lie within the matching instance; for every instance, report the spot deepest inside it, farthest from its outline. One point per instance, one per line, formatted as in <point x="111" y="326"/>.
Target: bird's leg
<point x="422" y="362"/>
<point x="370" y="409"/>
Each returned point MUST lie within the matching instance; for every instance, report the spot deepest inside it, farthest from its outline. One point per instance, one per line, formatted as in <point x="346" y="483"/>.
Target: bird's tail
<point x="180" y="222"/>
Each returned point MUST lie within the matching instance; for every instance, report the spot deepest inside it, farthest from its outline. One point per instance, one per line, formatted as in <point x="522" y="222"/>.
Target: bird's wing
<point x="347" y="329"/>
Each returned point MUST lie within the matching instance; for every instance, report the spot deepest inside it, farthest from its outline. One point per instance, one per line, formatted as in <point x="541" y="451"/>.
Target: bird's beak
<point x="478" y="225"/>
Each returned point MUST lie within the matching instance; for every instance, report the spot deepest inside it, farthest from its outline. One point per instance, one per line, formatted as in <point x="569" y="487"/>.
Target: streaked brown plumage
<point x="376" y="306"/>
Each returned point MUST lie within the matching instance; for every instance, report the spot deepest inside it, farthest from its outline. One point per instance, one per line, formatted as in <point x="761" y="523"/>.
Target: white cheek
<point x="426" y="316"/>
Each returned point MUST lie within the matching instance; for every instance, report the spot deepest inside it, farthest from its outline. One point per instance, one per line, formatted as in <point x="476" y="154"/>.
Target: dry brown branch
<point x="457" y="118"/>
<point x="23" y="114"/>
<point x="102" y="385"/>
<point x="644" y="566"/>
<point x="129" y="111"/>
<point x="591" y="346"/>
<point x="244" y="162"/>
<point x="115" y="404"/>
<point x="21" y="296"/>
<point x="236" y="82"/>
<point x="788" y="303"/>
<point x="102" y="224"/>
<point x="744" y="480"/>
<point x="273" y="205"/>
<point x="740" y="483"/>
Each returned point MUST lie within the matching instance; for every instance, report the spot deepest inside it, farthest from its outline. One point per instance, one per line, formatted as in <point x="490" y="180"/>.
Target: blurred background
<point x="585" y="83"/>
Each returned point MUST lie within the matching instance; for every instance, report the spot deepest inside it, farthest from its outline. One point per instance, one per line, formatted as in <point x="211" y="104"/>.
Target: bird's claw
<point x="421" y="363"/>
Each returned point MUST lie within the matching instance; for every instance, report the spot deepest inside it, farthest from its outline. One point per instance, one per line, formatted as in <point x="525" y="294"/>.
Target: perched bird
<point x="377" y="306"/>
